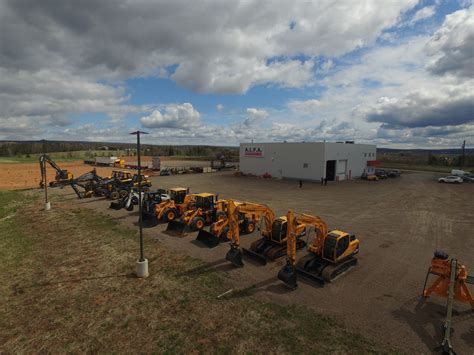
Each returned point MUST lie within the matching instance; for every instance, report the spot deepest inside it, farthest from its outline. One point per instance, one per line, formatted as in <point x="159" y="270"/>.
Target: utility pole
<point x="463" y="154"/>
<point x="142" y="263"/>
<point x="47" y="204"/>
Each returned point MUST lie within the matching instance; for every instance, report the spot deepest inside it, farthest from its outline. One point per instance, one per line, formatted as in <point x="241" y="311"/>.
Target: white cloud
<point x="255" y="116"/>
<point x="306" y="107"/>
<point x="175" y="116"/>
<point x="452" y="46"/>
<point x="220" y="107"/>
<point x="423" y="14"/>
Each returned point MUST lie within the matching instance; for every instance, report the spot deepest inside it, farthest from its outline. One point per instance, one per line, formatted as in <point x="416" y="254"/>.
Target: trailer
<point x="106" y="161"/>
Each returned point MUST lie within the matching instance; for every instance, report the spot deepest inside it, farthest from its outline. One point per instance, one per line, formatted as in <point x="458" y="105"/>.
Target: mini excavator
<point x="451" y="282"/>
<point x="330" y="253"/>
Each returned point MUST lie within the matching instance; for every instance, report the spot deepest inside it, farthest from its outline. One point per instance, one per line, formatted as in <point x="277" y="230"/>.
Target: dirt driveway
<point x="400" y="223"/>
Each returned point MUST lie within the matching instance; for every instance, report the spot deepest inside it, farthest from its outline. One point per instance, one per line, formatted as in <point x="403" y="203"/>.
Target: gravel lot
<point x="400" y="223"/>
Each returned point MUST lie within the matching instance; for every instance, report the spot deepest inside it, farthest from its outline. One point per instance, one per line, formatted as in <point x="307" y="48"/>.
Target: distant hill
<point x="449" y="151"/>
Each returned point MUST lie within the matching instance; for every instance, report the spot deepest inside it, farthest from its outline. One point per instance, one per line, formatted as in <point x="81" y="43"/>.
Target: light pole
<point x="142" y="263"/>
<point x="47" y="204"/>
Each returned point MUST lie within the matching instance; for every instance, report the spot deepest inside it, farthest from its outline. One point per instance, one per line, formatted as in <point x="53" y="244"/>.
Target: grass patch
<point x="68" y="285"/>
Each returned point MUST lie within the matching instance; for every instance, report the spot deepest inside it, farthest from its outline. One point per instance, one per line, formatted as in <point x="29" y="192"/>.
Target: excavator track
<point x="332" y="272"/>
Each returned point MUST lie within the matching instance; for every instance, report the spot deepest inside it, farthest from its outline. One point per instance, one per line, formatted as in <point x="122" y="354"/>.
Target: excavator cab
<point x="336" y="245"/>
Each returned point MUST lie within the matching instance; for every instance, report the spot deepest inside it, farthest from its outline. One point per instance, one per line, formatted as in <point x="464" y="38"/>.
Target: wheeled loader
<point x="329" y="255"/>
<point x="205" y="210"/>
<point x="248" y="214"/>
<point x="179" y="202"/>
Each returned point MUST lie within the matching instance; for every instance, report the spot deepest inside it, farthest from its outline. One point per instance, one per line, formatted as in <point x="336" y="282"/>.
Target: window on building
<point x="365" y="155"/>
<point x="305" y="165"/>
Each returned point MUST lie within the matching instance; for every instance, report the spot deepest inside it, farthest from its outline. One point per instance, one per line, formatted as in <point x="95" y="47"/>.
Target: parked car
<point x="393" y="173"/>
<point x="381" y="174"/>
<point x="165" y="172"/>
<point x="468" y="178"/>
<point x="451" y="180"/>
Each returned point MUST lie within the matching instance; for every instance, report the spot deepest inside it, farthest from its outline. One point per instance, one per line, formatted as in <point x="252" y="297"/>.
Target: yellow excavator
<point x="330" y="253"/>
<point x="273" y="242"/>
<point x="248" y="215"/>
<point x="180" y="201"/>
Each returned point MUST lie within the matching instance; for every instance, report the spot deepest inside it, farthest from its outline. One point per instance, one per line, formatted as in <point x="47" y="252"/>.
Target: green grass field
<point x="67" y="285"/>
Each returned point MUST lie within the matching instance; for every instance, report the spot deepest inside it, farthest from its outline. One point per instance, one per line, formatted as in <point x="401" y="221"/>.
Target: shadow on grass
<point x="272" y="285"/>
<point x="204" y="269"/>
<point x="425" y="316"/>
<point x="19" y="290"/>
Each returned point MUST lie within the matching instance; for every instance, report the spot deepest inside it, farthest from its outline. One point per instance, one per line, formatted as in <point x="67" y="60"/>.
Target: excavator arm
<point x="234" y="255"/>
<point x="294" y="224"/>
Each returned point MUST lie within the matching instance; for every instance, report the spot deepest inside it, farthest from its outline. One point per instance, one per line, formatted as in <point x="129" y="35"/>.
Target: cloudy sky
<point x="399" y="73"/>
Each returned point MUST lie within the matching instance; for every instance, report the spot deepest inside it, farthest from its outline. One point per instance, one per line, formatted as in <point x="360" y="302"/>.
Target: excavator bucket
<point x="261" y="259"/>
<point x="177" y="228"/>
<point x="234" y="255"/>
<point x="207" y="238"/>
<point x="287" y="274"/>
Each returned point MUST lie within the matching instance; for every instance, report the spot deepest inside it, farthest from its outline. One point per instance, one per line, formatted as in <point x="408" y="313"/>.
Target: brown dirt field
<point x="400" y="223"/>
<point x="24" y="176"/>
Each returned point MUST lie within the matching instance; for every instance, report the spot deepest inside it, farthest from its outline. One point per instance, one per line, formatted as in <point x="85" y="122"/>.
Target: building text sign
<point x="253" y="152"/>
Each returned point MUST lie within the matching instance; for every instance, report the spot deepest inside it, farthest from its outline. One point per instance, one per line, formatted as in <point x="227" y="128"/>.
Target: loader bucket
<point x="261" y="259"/>
<point x="311" y="276"/>
<point x="207" y="238"/>
<point x="116" y="205"/>
<point x="287" y="274"/>
<point x="176" y="228"/>
<point x="234" y="255"/>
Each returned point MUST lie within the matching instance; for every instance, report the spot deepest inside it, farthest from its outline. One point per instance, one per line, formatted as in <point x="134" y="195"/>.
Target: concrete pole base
<point x="142" y="268"/>
<point x="47" y="206"/>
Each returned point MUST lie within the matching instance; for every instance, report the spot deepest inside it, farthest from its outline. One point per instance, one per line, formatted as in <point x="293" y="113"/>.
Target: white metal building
<point x="308" y="160"/>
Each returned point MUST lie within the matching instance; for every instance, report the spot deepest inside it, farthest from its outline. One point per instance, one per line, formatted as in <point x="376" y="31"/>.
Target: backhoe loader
<point x="249" y="215"/>
<point x="272" y="245"/>
<point x="330" y="253"/>
<point x="206" y="209"/>
<point x="62" y="176"/>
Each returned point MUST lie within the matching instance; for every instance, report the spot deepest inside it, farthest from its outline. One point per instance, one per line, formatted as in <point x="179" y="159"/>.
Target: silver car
<point x="451" y="180"/>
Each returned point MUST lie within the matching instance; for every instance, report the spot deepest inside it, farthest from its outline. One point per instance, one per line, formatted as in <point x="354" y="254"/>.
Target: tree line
<point x="10" y="149"/>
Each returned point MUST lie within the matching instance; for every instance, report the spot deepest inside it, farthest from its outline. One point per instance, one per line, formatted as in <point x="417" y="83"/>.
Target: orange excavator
<point x="451" y="282"/>
<point x="330" y="253"/>
<point x="273" y="242"/>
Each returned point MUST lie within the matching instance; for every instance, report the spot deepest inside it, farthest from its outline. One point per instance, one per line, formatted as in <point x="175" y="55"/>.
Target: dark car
<point x="381" y="174"/>
<point x="393" y="173"/>
<point x="468" y="178"/>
